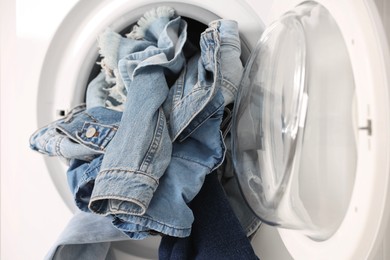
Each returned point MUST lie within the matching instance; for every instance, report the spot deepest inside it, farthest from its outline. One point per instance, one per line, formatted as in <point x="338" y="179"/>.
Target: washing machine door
<point x="311" y="131"/>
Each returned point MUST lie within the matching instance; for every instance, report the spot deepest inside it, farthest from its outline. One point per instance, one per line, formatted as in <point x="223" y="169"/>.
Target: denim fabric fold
<point x="216" y="232"/>
<point x="140" y="151"/>
<point x="140" y="168"/>
<point x="87" y="236"/>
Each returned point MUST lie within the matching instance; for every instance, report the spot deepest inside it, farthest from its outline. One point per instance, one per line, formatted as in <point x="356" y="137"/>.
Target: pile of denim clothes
<point x="155" y="123"/>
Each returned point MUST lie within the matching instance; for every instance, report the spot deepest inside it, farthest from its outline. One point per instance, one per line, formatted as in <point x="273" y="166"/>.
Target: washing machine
<point x="323" y="66"/>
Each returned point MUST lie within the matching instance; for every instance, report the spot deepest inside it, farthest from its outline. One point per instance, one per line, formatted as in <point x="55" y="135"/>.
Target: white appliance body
<point x="45" y="60"/>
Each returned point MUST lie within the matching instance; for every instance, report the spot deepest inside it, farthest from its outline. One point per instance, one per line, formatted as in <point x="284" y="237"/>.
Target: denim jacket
<point x="198" y="146"/>
<point x="198" y="150"/>
<point x="140" y="152"/>
<point x="165" y="132"/>
<point x="219" y="69"/>
<point x="192" y="159"/>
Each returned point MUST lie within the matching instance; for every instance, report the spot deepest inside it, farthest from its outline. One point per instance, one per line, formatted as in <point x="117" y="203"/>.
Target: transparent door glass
<point x="294" y="138"/>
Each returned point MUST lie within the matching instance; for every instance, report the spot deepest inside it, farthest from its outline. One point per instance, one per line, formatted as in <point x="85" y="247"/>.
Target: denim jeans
<point x="216" y="232"/>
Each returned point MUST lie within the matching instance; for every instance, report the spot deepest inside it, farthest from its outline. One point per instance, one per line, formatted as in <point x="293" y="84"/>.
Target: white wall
<point x="32" y="214"/>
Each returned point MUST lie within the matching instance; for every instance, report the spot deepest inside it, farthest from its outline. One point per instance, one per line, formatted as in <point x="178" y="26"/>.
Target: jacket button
<point x="91" y="131"/>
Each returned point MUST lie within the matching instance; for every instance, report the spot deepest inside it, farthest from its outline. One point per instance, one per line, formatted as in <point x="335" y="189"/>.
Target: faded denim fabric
<point x="229" y="59"/>
<point x="82" y="134"/>
<point x="87" y="236"/>
<point x="197" y="150"/>
<point x="81" y="177"/>
<point x="192" y="159"/>
<point x="159" y="150"/>
<point x="98" y="94"/>
<point x="219" y="69"/>
<point x="142" y="40"/>
<point x="141" y="150"/>
<point x="122" y="189"/>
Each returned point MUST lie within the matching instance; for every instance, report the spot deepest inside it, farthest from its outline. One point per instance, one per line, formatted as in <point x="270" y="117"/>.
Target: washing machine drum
<point x="294" y="140"/>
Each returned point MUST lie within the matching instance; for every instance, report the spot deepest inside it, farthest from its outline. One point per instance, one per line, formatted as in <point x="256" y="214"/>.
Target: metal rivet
<point x="91" y="131"/>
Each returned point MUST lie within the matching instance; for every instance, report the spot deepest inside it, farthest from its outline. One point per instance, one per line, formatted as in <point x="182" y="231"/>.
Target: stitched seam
<point x="105" y="172"/>
<point x="160" y="223"/>
<point x="156" y="142"/>
<point x="110" y="211"/>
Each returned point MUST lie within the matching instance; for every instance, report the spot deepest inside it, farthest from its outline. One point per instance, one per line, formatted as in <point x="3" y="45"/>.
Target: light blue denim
<point x="81" y="177"/>
<point x="97" y="93"/>
<point x="197" y="150"/>
<point x="192" y="159"/>
<point x="100" y="94"/>
<point x="231" y="69"/>
<point x="140" y="151"/>
<point x="231" y="73"/>
<point x="143" y="39"/>
<point x="219" y="69"/>
<point x="108" y="88"/>
<point x="198" y="147"/>
<point x="70" y="137"/>
<point x="87" y="236"/>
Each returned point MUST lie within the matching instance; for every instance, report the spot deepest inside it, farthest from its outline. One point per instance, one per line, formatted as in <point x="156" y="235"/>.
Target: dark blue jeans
<point x="216" y="232"/>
